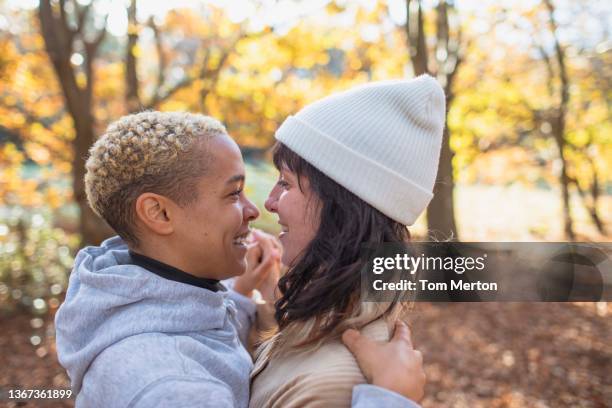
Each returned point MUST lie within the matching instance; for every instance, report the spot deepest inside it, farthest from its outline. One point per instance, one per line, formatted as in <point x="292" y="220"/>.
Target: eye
<point x="236" y="193"/>
<point x="282" y="184"/>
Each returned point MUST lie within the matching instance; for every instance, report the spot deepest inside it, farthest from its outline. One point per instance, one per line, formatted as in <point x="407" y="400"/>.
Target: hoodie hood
<point x="110" y="299"/>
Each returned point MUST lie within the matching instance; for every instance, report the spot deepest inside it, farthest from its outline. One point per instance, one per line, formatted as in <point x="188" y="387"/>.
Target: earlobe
<point x="152" y="211"/>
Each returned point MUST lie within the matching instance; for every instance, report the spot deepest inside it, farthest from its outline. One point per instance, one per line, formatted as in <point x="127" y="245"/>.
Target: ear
<point x="156" y="213"/>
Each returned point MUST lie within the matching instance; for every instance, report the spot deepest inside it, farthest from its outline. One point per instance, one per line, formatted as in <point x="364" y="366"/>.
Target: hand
<point x="267" y="287"/>
<point x="263" y="265"/>
<point x="394" y="365"/>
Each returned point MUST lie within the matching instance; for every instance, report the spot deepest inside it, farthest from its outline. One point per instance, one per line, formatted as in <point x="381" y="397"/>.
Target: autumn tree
<point x="502" y="105"/>
<point x="590" y="131"/>
<point x="63" y="35"/>
<point x="68" y="27"/>
<point x="574" y="150"/>
<point x="205" y="41"/>
<point x="32" y="125"/>
<point x="558" y="113"/>
<point x="441" y="60"/>
<point x="513" y="92"/>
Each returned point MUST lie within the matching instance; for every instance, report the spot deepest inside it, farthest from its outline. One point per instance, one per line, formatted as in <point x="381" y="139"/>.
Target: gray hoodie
<point x="130" y="338"/>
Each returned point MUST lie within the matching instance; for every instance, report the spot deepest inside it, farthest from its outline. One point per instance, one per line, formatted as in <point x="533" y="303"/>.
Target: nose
<point x="271" y="203"/>
<point x="250" y="211"/>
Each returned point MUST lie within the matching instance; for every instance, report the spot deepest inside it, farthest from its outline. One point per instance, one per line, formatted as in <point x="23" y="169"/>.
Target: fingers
<point x="253" y="255"/>
<point x="268" y="244"/>
<point x="402" y="333"/>
<point x="260" y="257"/>
<point x="277" y="244"/>
<point x="360" y="346"/>
<point x="266" y="263"/>
<point x="349" y="338"/>
<point x="356" y="343"/>
<point x="269" y="256"/>
<point x="267" y="241"/>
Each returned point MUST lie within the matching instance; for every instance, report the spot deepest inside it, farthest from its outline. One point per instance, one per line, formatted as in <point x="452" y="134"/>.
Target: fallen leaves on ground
<point x="476" y="354"/>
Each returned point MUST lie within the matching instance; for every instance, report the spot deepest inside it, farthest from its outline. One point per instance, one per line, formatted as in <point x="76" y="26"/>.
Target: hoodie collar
<point x="171" y="273"/>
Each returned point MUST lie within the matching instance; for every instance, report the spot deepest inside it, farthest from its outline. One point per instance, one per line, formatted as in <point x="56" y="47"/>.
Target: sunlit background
<point x="528" y="150"/>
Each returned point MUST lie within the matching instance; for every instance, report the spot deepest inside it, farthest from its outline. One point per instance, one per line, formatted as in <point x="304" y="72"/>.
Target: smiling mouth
<point x="241" y="239"/>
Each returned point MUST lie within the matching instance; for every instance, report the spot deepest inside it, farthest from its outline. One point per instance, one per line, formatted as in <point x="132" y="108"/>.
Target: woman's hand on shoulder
<point x="394" y="365"/>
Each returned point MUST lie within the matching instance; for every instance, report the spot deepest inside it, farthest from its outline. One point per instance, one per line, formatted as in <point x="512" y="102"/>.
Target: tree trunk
<point x="559" y="126"/>
<point x="441" y="210"/>
<point x="592" y="205"/>
<point x="415" y="37"/>
<point x="59" y="45"/>
<point x="593" y="212"/>
<point x="568" y="227"/>
<point x="92" y="228"/>
<point x="132" y="97"/>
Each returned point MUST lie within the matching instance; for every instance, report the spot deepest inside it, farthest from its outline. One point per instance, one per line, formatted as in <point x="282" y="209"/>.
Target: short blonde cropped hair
<point x="158" y="152"/>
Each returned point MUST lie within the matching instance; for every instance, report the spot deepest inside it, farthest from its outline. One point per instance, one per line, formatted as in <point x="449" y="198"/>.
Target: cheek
<point x="311" y="218"/>
<point x="233" y="215"/>
<point x="284" y="206"/>
<point x="305" y="218"/>
<point x="312" y="226"/>
<point x="217" y="223"/>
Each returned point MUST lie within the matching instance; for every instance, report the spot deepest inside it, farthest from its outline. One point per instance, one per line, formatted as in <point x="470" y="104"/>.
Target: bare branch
<point x="56" y="26"/>
<point x="442" y="32"/>
<point x="416" y="39"/>
<point x="408" y="28"/>
<point x="83" y="12"/>
<point x="101" y="35"/>
<point x="161" y="58"/>
<point x="204" y="73"/>
<point x="185" y="82"/>
<point x="560" y="54"/>
<point x="63" y="19"/>
<point x="59" y="52"/>
<point x="91" y="49"/>
<point x="213" y="76"/>
<point x="132" y="85"/>
<point x="204" y="64"/>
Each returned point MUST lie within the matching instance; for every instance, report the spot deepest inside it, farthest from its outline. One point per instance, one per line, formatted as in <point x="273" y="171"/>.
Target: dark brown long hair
<point x="325" y="282"/>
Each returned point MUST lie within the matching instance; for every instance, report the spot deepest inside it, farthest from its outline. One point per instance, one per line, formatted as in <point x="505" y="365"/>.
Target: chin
<point x="289" y="259"/>
<point x="238" y="269"/>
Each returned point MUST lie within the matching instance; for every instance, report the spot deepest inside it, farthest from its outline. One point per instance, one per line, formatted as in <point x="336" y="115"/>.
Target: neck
<point x="171" y="273"/>
<point x="168" y="254"/>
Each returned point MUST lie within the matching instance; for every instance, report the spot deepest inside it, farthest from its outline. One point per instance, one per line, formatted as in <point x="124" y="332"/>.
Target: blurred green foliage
<point x="260" y="178"/>
<point x="35" y="261"/>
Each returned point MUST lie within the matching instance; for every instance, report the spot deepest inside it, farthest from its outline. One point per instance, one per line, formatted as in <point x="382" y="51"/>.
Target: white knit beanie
<point x="381" y="141"/>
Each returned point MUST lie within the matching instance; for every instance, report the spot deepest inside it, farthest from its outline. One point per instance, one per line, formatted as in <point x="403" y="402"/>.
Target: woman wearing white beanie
<point x="356" y="167"/>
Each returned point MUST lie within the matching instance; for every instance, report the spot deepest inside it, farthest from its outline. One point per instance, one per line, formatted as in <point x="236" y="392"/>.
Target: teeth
<point x="240" y="241"/>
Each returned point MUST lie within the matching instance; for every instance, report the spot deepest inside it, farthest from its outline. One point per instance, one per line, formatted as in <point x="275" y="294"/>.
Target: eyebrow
<point x="236" y="178"/>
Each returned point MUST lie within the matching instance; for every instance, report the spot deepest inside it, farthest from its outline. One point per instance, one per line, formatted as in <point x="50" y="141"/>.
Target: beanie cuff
<point x="384" y="189"/>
